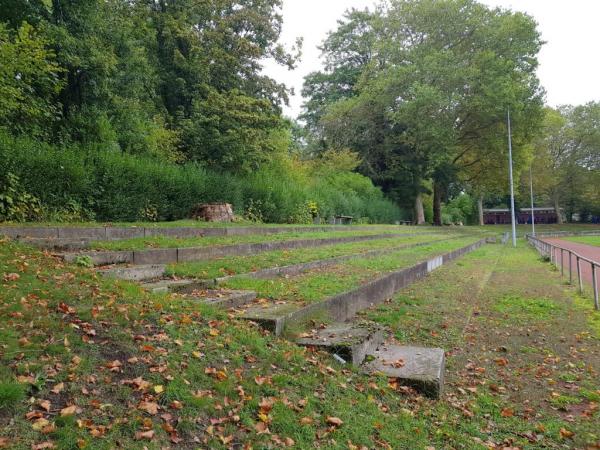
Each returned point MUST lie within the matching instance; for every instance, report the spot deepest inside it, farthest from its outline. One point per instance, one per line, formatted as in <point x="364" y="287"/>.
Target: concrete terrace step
<point x="224" y="298"/>
<point x="135" y="273"/>
<point x="179" y="286"/>
<point x="101" y="233"/>
<point x="418" y="367"/>
<point x="344" y="306"/>
<point x="188" y="254"/>
<point x="350" y="341"/>
<point x="296" y="269"/>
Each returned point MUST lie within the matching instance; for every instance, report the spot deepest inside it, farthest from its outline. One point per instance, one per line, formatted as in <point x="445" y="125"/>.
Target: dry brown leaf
<point x="68" y="411"/>
<point x="58" y="388"/>
<point x="140" y="435"/>
<point x="335" y="421"/>
<point x="149" y="407"/>
<point x="566" y="434"/>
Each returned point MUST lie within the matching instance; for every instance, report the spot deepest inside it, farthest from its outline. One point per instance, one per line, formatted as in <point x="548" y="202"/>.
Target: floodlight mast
<point x="531" y="191"/>
<point x="512" y="190"/>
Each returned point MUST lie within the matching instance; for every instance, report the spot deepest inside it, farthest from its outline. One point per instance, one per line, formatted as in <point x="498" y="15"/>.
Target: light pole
<point x="512" y="190"/>
<point x="531" y="190"/>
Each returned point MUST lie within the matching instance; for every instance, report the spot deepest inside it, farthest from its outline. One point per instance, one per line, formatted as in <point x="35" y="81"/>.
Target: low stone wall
<point x="344" y="306"/>
<point x="178" y="255"/>
<point x="117" y="233"/>
<point x="296" y="269"/>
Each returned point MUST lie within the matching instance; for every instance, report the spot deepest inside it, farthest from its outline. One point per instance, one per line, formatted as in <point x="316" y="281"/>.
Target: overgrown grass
<point x="317" y="284"/>
<point x="244" y="264"/>
<point x="217" y="382"/>
<point x="206" y="241"/>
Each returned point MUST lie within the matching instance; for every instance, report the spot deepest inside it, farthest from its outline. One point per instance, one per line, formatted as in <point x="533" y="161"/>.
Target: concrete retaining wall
<point x="296" y="269"/>
<point x="178" y="255"/>
<point x="344" y="306"/>
<point x="116" y="233"/>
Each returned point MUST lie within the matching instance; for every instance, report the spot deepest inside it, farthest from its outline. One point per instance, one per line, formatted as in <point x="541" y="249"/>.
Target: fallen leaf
<point x="57" y="389"/>
<point x="507" y="412"/>
<point x="149" y="435"/>
<point x="159" y="389"/>
<point x="149" y="407"/>
<point x="68" y="411"/>
<point x="11" y="276"/>
<point x="306" y="420"/>
<point x="39" y="424"/>
<point x="45" y="405"/>
<point x="43" y="445"/>
<point x="335" y="421"/>
<point x="566" y="434"/>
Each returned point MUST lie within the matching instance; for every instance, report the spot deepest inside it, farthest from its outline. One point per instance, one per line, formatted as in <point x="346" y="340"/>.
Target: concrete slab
<point x="271" y="317"/>
<point x="65" y="245"/>
<point x="155" y="256"/>
<point x="33" y="232"/>
<point x="228" y="299"/>
<point x="102" y="258"/>
<point x="418" y="367"/>
<point x="164" y="286"/>
<point x="116" y="233"/>
<point x="96" y="233"/>
<point x="137" y="273"/>
<point x="351" y="341"/>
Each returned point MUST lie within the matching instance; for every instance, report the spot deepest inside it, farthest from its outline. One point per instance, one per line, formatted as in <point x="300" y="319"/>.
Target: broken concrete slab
<point x="228" y="299"/>
<point x="351" y="341"/>
<point x="136" y="273"/>
<point x="269" y="316"/>
<point x="101" y="258"/>
<point x="344" y="306"/>
<point x="418" y="367"/>
<point x="164" y="286"/>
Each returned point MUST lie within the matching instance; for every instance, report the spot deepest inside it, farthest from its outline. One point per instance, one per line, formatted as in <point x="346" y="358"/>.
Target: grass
<point x="588" y="240"/>
<point x="172" y="242"/>
<point x="318" y="284"/>
<point x="220" y="383"/>
<point x="243" y="264"/>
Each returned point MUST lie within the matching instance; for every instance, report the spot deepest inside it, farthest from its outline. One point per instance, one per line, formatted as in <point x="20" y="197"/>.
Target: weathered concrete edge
<point x="344" y="306"/>
<point x="295" y="269"/>
<point x="189" y="254"/>
<point x="117" y="233"/>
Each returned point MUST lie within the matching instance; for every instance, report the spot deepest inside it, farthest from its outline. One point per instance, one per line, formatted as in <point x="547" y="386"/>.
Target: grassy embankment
<point x="90" y="363"/>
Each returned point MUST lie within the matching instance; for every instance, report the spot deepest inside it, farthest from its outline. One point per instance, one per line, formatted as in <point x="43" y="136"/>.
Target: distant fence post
<point x="595" y="288"/>
<point x="579" y="279"/>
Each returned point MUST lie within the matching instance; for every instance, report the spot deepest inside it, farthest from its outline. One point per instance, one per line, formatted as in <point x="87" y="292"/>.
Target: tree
<point x="29" y="82"/>
<point x="434" y="93"/>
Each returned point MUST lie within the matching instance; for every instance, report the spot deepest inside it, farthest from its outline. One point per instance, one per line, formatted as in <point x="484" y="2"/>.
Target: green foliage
<point x="11" y="393"/>
<point x="79" y="183"/>
<point x="17" y="205"/>
<point x="460" y="209"/>
<point x="84" y="261"/>
<point x="29" y="81"/>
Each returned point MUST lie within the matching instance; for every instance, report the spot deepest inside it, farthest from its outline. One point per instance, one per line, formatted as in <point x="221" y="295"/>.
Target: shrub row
<point x="113" y="186"/>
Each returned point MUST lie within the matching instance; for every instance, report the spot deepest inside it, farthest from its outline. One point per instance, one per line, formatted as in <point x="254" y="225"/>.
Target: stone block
<point x="136" y="273"/>
<point x="418" y="367"/>
<point x="350" y="341"/>
<point x="155" y="256"/>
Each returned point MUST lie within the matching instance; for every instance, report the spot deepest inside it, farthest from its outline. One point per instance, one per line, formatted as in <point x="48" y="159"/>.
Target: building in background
<point x="501" y="216"/>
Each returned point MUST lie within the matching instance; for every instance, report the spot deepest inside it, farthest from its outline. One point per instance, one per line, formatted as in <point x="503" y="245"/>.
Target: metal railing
<point x="551" y="251"/>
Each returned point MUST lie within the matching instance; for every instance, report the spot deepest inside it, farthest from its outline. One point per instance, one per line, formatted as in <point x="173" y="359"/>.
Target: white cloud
<point x="569" y="66"/>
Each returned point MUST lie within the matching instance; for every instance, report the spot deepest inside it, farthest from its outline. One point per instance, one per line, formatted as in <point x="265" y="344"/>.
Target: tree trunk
<point x="480" y="209"/>
<point x="559" y="218"/>
<point x="437" y="204"/>
<point x="419" y="211"/>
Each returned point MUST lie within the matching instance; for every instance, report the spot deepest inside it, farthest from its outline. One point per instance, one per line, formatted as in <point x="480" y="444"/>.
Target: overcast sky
<point x="569" y="62"/>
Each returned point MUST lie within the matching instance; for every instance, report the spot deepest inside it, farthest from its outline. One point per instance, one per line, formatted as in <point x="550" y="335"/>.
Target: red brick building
<point x="501" y="216"/>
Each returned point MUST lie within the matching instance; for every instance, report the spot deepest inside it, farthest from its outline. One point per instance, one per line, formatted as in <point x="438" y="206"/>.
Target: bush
<point x="82" y="183"/>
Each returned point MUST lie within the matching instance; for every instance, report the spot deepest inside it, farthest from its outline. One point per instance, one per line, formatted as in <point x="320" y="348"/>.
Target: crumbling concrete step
<point x="57" y="244"/>
<point x="296" y="269"/>
<point x="344" y="306"/>
<point x="350" y="341"/>
<point x="225" y="299"/>
<point x="136" y="273"/>
<point x="187" y="254"/>
<point x="171" y="286"/>
<point x="418" y="367"/>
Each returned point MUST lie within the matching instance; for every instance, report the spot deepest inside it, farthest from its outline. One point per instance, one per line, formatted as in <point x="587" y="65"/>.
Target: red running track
<point x="587" y="251"/>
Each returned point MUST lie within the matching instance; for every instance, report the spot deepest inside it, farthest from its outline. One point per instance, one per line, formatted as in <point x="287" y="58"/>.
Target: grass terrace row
<point x="207" y="241"/>
<point x="318" y="284"/>
<point x="244" y="264"/>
